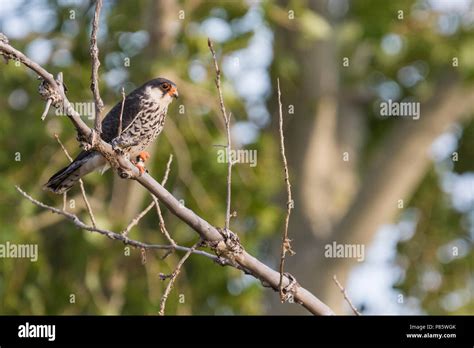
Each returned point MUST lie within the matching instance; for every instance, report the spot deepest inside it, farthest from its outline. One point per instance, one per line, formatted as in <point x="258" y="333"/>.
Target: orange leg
<point x="141" y="159"/>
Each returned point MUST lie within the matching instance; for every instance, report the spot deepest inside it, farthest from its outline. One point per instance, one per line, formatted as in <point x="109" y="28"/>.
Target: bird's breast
<point x="146" y="127"/>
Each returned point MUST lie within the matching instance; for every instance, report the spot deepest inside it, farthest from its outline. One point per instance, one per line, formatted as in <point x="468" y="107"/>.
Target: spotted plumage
<point x="143" y="119"/>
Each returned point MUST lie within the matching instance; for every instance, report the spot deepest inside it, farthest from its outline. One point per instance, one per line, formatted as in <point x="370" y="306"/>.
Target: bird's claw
<point x="141" y="168"/>
<point x="87" y="142"/>
<point x="140" y="161"/>
<point x="83" y="142"/>
<point x="143" y="156"/>
<point x="116" y="147"/>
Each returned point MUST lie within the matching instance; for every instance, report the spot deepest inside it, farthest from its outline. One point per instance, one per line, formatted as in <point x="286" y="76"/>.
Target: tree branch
<point x="173" y="277"/>
<point x="94" y="52"/>
<point x="81" y="185"/>
<point x="227" y="128"/>
<point x="137" y="219"/>
<point x="285" y="244"/>
<point x="117" y="236"/>
<point x="346" y="297"/>
<point x="119" y="131"/>
<point x="209" y="234"/>
<point x="158" y="209"/>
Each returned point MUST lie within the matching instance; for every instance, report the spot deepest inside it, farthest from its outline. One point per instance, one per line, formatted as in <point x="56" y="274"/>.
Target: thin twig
<point x="10" y="52"/>
<point x="167" y="171"/>
<point x="64" y="200"/>
<point x="161" y="220"/>
<point x="227" y="128"/>
<point x="86" y="201"/>
<point x="346" y="297"/>
<point x="137" y="219"/>
<point x="121" y="112"/>
<point x="81" y="185"/>
<point x="173" y="277"/>
<point x="285" y="244"/>
<point x="46" y="109"/>
<point x="63" y="148"/>
<point x="94" y="52"/>
<point x="117" y="236"/>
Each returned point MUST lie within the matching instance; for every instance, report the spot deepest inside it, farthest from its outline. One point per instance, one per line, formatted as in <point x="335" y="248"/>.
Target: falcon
<point x="143" y="119"/>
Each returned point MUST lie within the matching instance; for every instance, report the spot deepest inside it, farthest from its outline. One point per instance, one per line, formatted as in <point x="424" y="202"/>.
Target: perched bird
<point x="143" y="118"/>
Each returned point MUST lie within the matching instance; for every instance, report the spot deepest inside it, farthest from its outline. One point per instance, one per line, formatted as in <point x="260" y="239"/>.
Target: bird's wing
<point x="83" y="154"/>
<point x="110" y="124"/>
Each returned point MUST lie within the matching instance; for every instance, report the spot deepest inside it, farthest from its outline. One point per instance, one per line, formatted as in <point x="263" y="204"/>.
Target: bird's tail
<point x="67" y="177"/>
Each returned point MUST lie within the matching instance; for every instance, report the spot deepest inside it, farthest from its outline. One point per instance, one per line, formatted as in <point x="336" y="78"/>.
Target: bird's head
<point x="161" y="90"/>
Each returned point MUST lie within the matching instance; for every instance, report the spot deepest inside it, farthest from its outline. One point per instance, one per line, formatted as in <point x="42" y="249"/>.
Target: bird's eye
<point x="165" y="86"/>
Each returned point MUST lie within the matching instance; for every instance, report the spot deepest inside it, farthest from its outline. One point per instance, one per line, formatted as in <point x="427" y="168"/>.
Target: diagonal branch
<point x="346" y="297"/>
<point x="161" y="220"/>
<point x="163" y="229"/>
<point x="117" y="236"/>
<point x="208" y="233"/>
<point x="137" y="219"/>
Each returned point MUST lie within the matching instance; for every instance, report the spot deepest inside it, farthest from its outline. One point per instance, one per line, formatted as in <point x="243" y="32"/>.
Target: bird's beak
<point x="173" y="92"/>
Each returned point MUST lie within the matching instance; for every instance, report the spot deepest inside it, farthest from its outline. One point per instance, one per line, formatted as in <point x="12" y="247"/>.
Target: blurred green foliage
<point x="95" y="270"/>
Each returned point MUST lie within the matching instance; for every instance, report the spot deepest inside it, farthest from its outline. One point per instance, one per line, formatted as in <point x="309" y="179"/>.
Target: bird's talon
<point x="143" y="156"/>
<point x="116" y="147"/>
<point x="141" y="168"/>
<point x="140" y="162"/>
<point x="83" y="142"/>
